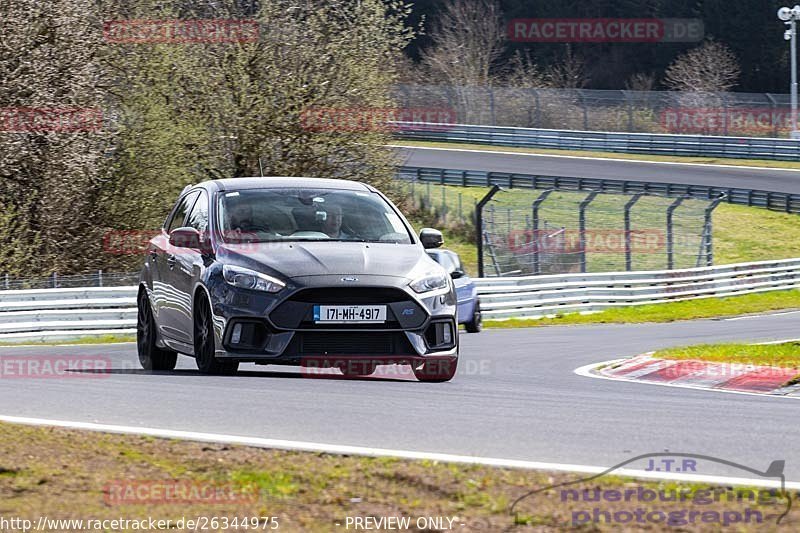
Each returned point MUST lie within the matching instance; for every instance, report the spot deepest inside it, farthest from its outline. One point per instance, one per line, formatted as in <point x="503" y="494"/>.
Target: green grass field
<point x="81" y="475"/>
<point x="785" y="354"/>
<point x="741" y="234"/>
<point x="669" y="312"/>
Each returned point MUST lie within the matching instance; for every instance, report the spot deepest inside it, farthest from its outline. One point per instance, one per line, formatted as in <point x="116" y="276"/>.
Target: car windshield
<point x="286" y="214"/>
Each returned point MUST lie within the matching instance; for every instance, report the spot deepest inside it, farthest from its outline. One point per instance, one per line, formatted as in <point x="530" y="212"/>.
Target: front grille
<point x="352" y="343"/>
<point x="350" y="295"/>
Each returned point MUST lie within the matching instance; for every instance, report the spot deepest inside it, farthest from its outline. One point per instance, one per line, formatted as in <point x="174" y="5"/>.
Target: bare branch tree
<point x="641" y="81"/>
<point x="712" y="67"/>
<point x="523" y="72"/>
<point x="569" y="72"/>
<point x="467" y="38"/>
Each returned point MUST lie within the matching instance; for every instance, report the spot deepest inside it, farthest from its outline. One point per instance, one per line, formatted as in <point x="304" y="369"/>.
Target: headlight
<point x="430" y="283"/>
<point x="250" y="279"/>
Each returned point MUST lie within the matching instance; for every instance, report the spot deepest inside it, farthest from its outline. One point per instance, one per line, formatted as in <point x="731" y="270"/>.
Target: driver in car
<point x="332" y="225"/>
<point x="241" y="224"/>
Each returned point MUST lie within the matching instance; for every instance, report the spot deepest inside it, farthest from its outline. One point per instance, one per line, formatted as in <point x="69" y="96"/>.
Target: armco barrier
<point x="58" y="313"/>
<point x="776" y="201"/>
<point x="51" y="314"/>
<point x="600" y="141"/>
<point x="540" y="296"/>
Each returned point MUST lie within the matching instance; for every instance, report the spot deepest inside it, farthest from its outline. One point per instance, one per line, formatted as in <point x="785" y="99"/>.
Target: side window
<point x="179" y="215"/>
<point x="456" y="261"/>
<point x="198" y="217"/>
<point x="444" y="260"/>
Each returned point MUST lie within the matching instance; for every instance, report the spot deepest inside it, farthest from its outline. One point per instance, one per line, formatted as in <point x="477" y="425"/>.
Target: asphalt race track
<point x="515" y="397"/>
<point x="777" y="180"/>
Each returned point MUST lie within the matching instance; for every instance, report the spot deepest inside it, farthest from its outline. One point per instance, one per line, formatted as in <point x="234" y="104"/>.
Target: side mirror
<point x="455" y="274"/>
<point x="185" y="238"/>
<point x="431" y="238"/>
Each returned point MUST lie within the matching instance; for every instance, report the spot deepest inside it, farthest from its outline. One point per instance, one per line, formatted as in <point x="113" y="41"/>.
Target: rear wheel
<point x="151" y="357"/>
<point x="204" y="344"/>
<point x="476" y="324"/>
<point x="436" y="370"/>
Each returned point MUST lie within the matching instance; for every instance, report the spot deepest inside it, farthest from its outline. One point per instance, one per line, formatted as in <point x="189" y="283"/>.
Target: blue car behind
<point x="469" y="305"/>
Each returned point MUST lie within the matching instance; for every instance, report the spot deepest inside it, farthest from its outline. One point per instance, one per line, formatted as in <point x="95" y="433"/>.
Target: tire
<point x="151" y="357"/>
<point x="476" y="324"/>
<point x="436" y="370"/>
<point x="205" y="345"/>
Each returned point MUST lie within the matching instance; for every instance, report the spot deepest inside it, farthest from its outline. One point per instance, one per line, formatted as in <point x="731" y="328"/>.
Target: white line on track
<point x="587" y="372"/>
<point x="782" y="341"/>
<point x="589" y="158"/>
<point x="339" y="449"/>
<point x="748" y="317"/>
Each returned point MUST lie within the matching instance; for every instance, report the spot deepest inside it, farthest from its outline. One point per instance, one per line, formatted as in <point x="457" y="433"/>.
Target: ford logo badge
<point x="350" y="279"/>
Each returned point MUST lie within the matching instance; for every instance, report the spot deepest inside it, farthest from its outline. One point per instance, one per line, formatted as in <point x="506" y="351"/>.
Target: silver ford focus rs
<point x="295" y="271"/>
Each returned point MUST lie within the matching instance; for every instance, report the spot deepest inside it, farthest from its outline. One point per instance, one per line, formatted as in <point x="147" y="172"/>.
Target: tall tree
<point x="52" y="143"/>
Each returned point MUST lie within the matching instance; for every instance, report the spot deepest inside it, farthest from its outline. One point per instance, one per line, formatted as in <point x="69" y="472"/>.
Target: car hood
<point x="302" y="259"/>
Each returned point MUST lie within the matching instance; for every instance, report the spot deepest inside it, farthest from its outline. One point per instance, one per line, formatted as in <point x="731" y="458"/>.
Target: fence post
<point x="670" y="237"/>
<point x="708" y="235"/>
<point x="479" y="225"/>
<point x="7" y="285"/>
<point x="99" y="278"/>
<point x="773" y="114"/>
<point x="491" y="106"/>
<point x="537" y="267"/>
<point x="428" y="203"/>
<point x="630" y="110"/>
<point x="582" y="227"/>
<point x="444" y="204"/>
<point x="55" y="280"/>
<point x="628" y="207"/>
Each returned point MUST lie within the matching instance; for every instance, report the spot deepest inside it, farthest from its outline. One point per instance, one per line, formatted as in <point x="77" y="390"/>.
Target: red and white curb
<point x="723" y="377"/>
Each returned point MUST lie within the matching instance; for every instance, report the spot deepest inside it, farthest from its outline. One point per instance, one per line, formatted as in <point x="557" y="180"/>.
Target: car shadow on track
<point x="239" y="374"/>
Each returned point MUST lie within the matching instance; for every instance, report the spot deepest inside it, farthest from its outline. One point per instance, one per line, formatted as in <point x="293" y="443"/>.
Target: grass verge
<point x="608" y="155"/>
<point x="784" y="355"/>
<point x="741" y="234"/>
<point x="68" y="474"/>
<point x="100" y="339"/>
<point x="668" y="312"/>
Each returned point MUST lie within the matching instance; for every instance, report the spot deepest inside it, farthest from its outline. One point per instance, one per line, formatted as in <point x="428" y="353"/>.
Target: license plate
<point x="349" y="314"/>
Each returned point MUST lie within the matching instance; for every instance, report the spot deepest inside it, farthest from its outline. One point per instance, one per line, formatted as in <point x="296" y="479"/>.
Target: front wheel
<point x="151" y="357"/>
<point x="476" y="324"/>
<point x="204" y="344"/>
<point x="436" y="370"/>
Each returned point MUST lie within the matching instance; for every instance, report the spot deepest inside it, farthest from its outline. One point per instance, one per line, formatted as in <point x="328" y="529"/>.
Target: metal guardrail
<point x="776" y="201"/>
<point x="541" y="296"/>
<point x="50" y="314"/>
<point x="600" y="141"/>
<point x="58" y="313"/>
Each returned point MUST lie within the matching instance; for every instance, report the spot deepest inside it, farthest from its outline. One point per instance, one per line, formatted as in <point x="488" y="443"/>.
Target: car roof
<point x="270" y="182"/>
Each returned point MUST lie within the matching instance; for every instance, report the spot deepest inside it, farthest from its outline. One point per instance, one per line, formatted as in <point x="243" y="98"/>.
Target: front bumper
<point x="258" y="327"/>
